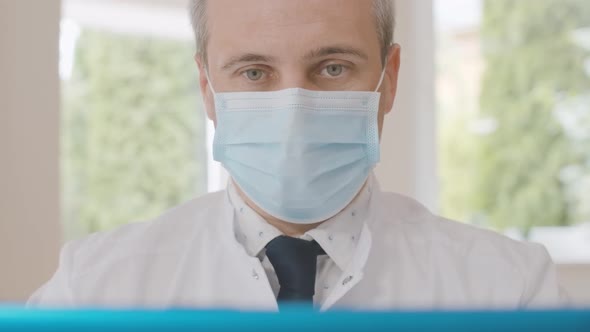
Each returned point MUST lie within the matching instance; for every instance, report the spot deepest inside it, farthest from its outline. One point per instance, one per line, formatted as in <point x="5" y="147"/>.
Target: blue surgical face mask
<point x="301" y="156"/>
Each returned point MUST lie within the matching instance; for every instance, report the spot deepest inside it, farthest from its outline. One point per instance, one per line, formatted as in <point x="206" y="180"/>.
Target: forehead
<point x="289" y="27"/>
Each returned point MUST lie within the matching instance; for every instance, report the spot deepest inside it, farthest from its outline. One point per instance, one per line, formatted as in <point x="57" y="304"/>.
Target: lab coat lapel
<point x="217" y="270"/>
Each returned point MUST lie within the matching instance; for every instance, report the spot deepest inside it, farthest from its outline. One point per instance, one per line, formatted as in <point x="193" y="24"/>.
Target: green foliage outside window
<point x="515" y="175"/>
<point x="132" y="131"/>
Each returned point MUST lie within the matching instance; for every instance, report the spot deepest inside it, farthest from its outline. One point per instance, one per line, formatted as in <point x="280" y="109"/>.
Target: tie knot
<point x="290" y="246"/>
<point x="294" y="261"/>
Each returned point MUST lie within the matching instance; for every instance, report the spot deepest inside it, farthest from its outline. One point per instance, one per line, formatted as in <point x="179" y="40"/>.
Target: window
<point x="513" y="94"/>
<point x="133" y="129"/>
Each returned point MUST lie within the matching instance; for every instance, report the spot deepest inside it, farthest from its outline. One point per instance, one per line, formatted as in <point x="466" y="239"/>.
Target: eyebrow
<point x="317" y="53"/>
<point x="336" y="50"/>
<point x="248" y="57"/>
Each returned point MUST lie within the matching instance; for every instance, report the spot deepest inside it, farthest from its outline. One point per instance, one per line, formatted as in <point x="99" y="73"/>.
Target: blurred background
<point x="101" y="123"/>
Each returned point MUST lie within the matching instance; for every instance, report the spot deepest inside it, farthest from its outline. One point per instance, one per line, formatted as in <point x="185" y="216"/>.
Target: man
<point x="298" y="91"/>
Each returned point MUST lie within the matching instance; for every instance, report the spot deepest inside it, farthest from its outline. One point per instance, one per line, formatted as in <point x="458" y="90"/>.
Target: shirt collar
<point x="338" y="236"/>
<point x="251" y="230"/>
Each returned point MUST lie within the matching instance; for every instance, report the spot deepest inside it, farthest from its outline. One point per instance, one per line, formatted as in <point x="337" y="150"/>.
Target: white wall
<point x="29" y="117"/>
<point x="408" y="153"/>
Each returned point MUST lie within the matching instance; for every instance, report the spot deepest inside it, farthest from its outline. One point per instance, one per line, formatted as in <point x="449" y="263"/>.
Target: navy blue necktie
<point x="295" y="262"/>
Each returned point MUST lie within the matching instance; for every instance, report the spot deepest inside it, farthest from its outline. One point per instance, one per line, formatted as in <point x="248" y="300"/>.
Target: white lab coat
<point x="407" y="259"/>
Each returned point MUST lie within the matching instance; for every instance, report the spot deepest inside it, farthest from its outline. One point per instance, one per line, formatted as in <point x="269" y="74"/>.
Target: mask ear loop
<point x="209" y="81"/>
<point x="383" y="72"/>
<point x="380" y="80"/>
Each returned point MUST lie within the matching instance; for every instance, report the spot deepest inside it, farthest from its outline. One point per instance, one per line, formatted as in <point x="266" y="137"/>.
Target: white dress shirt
<point x="337" y="236"/>
<point x="400" y="256"/>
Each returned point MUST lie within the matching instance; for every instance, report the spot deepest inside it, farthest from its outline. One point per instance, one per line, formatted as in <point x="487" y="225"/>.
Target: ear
<point x="208" y="98"/>
<point x="392" y="67"/>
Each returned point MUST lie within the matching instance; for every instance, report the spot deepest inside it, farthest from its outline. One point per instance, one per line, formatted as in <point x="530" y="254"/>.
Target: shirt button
<point x="255" y="275"/>
<point x="242" y="209"/>
<point x="346" y="280"/>
<point x="330" y="237"/>
<point x="354" y="213"/>
<point x="261" y="234"/>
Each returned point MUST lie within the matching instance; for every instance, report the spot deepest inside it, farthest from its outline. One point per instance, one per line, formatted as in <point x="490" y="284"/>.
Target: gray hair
<point x="384" y="11"/>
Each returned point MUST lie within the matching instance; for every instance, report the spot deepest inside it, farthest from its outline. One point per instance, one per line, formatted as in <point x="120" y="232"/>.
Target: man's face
<point x="269" y="45"/>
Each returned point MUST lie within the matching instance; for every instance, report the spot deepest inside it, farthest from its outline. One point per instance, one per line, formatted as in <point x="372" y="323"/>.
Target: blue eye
<point x="254" y="74"/>
<point x="334" y="70"/>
